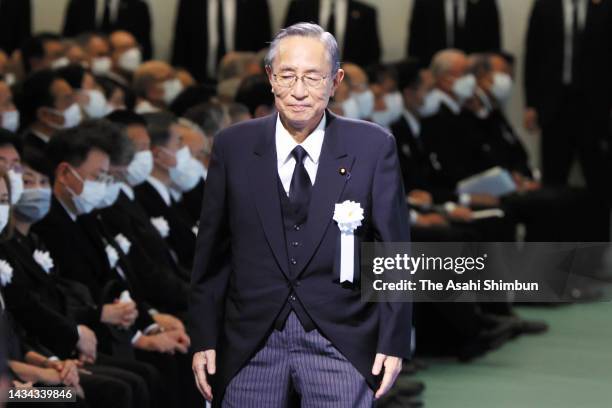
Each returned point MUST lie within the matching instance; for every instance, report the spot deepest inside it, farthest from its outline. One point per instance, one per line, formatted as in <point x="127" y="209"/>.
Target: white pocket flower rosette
<point x="348" y="215"/>
<point x="6" y="273"/>
<point x="44" y="260"/>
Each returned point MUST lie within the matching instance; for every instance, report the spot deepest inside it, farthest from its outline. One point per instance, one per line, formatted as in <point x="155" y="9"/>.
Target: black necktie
<point x="106" y="19"/>
<point x="299" y="192"/>
<point x="331" y="22"/>
<point x="221" y="29"/>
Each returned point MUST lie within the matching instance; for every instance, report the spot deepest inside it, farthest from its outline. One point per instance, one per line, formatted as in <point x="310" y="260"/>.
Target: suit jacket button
<point x="293" y="261"/>
<point x="296" y="227"/>
<point x="295" y="244"/>
<point x="298" y="283"/>
<point x="292" y="298"/>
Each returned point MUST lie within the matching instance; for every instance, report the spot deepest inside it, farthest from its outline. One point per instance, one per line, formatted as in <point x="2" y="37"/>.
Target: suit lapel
<point x="328" y="186"/>
<point x="264" y="173"/>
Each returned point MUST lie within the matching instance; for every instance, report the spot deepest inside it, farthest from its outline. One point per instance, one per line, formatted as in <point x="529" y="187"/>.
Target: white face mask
<point x="96" y="107"/>
<point x="4" y="216"/>
<point x="72" y="117"/>
<point x="130" y="60"/>
<point x="111" y="195"/>
<point x="365" y="100"/>
<point x="10" y="78"/>
<point x="186" y="174"/>
<point x="464" y="87"/>
<point x="101" y="65"/>
<point x="395" y="106"/>
<point x="91" y="196"/>
<point x="431" y="105"/>
<point x="502" y="87"/>
<point x="60" y="63"/>
<point x="16" y="185"/>
<point x="172" y="89"/>
<point x="10" y="120"/>
<point x="140" y="168"/>
<point x="350" y="109"/>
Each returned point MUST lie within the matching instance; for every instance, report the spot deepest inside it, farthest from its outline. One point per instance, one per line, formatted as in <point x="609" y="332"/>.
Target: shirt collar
<point x="312" y="144"/>
<point x="72" y="215"/>
<point x="161" y="189"/>
<point x="448" y="101"/>
<point x="127" y="190"/>
<point x="413" y="122"/>
<point x="487" y="107"/>
<point x="41" y="136"/>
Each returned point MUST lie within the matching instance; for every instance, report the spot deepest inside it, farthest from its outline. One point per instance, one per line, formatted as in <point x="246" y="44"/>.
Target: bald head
<point x="149" y="78"/>
<point x="450" y="70"/>
<point x="356" y="75"/>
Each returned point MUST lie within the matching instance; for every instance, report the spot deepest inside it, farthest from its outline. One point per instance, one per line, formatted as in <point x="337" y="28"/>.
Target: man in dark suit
<point x="352" y="22"/>
<point x="568" y="86"/>
<point x="267" y="244"/>
<point x="15" y="23"/>
<point x="468" y="25"/>
<point x="207" y="29"/>
<point x="108" y="16"/>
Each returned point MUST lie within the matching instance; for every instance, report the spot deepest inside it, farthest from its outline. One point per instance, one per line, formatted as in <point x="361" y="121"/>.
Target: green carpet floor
<point x="568" y="367"/>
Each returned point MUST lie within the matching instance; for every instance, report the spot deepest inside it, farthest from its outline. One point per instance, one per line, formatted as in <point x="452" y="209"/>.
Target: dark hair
<point x="8" y="138"/>
<point x="74" y="145"/>
<point x="7" y="233"/>
<point x="254" y="91"/>
<point x="377" y="73"/>
<point x="109" y="85"/>
<point x="408" y="74"/>
<point x="37" y="160"/>
<point x="190" y="97"/>
<point x="209" y="117"/>
<point x="125" y="118"/>
<point x="35" y="93"/>
<point x="34" y="47"/>
<point x="73" y="74"/>
<point x="158" y="126"/>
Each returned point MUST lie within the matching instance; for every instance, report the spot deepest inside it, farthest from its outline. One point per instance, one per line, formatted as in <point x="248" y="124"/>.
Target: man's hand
<point x="68" y="371"/>
<point x="87" y="344"/>
<point x="431" y="220"/>
<point x="168" y="322"/>
<point x="461" y="214"/>
<point x="484" y="200"/>
<point x="182" y="339"/>
<point x="204" y="363"/>
<point x="120" y="314"/>
<point x="531" y="120"/>
<point x="392" y="365"/>
<point x="165" y="342"/>
<point x="420" y="198"/>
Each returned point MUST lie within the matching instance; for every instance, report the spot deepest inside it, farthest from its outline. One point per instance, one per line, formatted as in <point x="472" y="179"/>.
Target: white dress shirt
<point x="128" y="190"/>
<point x="413" y="123"/>
<point x="114" y="10"/>
<point x="161" y="188"/>
<point x="568" y="19"/>
<point x="448" y="101"/>
<point x="229" y="22"/>
<point x="450" y="19"/>
<point x="285" y="143"/>
<point x="340" y="17"/>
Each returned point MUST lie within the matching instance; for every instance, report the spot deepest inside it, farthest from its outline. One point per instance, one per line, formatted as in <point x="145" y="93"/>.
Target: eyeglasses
<point x="309" y="80"/>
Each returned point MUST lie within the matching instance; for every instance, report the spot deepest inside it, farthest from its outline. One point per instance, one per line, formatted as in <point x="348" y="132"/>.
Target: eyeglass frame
<point x="297" y="77"/>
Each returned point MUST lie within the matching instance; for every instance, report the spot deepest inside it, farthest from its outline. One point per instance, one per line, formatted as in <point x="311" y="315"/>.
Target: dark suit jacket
<point x="427" y="30"/>
<point x="15" y="23"/>
<point x="252" y="32"/>
<point x="544" y="60"/>
<point x="240" y="277"/>
<point x="361" y="41"/>
<point x="181" y="238"/>
<point x="149" y="255"/>
<point x="417" y="164"/>
<point x="133" y="16"/>
<point x="192" y="201"/>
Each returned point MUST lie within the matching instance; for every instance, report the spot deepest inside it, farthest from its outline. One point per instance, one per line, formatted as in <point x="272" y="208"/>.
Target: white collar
<point x="413" y="122"/>
<point x="177" y="195"/>
<point x="448" y="101"/>
<point x="41" y="136"/>
<point x="487" y="107"/>
<point x="145" y="106"/>
<point x="285" y="143"/>
<point x="161" y="188"/>
<point x="72" y="215"/>
<point x="128" y="190"/>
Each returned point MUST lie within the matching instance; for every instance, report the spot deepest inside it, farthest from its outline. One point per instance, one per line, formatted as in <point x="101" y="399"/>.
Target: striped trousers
<point x="292" y="362"/>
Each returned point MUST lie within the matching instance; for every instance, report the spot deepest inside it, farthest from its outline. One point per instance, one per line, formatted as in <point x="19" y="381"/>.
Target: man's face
<point x="302" y="106"/>
<point x="195" y="141"/>
<point x="162" y="73"/>
<point x="140" y="137"/>
<point x="414" y="98"/>
<point x="54" y="50"/>
<point x="458" y="67"/>
<point x="9" y="159"/>
<point x="97" y="47"/>
<point x="165" y="156"/>
<point x="63" y="97"/>
<point x="95" y="167"/>
<point x="76" y="55"/>
<point x="6" y="99"/>
<point x="121" y="42"/>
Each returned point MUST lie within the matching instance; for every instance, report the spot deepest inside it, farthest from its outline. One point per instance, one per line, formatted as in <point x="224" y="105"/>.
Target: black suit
<point x="158" y="274"/>
<point x="15" y="23"/>
<point x="361" y="41"/>
<point x="181" y="237"/>
<point x="427" y="31"/>
<point x="192" y="201"/>
<point x="573" y="116"/>
<point x="133" y="16"/>
<point x="252" y="32"/>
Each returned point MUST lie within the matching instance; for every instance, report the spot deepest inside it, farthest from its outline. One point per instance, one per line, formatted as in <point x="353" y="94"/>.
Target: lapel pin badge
<point x="344" y="172"/>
